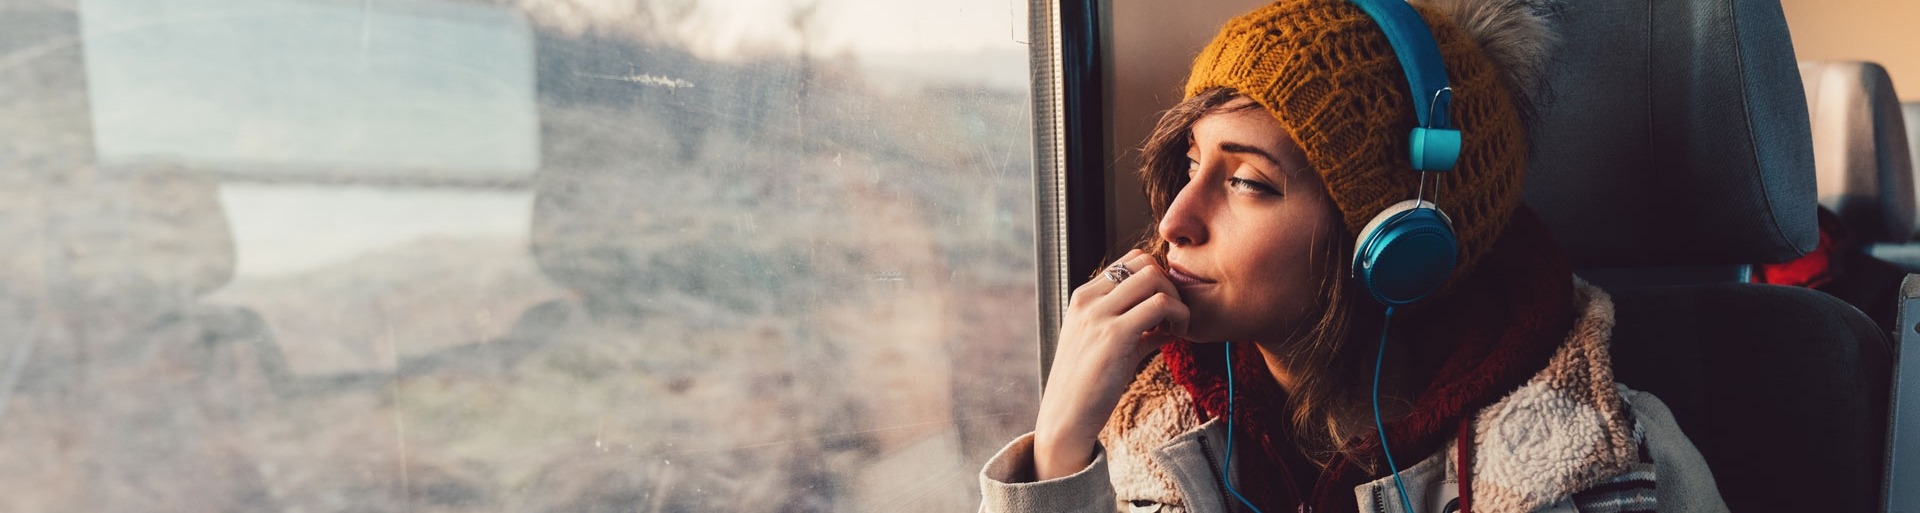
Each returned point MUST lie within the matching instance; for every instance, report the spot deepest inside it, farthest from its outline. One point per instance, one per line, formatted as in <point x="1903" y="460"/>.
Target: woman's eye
<point x="1251" y="186"/>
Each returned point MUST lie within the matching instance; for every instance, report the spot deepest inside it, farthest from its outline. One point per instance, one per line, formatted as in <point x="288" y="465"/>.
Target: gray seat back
<point x="1678" y="137"/>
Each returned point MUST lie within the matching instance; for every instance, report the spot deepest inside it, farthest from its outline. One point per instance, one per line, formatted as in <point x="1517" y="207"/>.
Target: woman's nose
<point x="1184" y="223"/>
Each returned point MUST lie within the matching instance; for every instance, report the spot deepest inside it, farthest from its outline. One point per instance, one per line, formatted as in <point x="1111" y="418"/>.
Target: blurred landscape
<point x="782" y="277"/>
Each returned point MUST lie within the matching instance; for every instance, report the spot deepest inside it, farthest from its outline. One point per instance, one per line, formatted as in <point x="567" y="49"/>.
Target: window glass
<point x="512" y="255"/>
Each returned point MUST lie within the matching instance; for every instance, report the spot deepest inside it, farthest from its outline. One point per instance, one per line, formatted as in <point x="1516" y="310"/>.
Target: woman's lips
<point x="1181" y="278"/>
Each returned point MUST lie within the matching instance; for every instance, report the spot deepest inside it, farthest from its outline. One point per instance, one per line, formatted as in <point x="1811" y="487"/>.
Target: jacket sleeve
<point x="1671" y="472"/>
<point x="1007" y="485"/>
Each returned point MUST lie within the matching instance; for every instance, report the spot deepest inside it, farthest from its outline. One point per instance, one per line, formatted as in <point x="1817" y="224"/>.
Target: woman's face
<point x="1250" y="233"/>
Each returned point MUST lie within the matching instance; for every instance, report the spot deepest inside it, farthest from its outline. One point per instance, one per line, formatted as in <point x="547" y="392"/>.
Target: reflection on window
<point x="511" y="255"/>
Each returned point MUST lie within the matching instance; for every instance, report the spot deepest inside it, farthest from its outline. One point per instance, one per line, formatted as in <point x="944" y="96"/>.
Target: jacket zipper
<point x="1225" y="499"/>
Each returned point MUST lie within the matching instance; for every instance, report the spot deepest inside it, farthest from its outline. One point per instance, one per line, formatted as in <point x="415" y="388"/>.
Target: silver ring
<point x="1118" y="272"/>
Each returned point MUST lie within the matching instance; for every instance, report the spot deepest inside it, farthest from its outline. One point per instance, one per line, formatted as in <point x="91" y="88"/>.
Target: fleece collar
<point x="1566" y="428"/>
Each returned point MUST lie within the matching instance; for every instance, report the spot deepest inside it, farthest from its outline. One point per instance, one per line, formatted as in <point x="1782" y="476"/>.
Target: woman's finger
<point x="1145" y="282"/>
<point x="1155" y="309"/>
<point x="1100" y="285"/>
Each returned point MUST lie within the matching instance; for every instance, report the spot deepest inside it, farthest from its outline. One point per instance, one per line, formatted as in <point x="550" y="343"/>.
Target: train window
<point x="527" y="255"/>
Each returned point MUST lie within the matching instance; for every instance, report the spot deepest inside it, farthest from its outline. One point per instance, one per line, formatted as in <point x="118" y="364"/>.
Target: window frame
<point x="1069" y="148"/>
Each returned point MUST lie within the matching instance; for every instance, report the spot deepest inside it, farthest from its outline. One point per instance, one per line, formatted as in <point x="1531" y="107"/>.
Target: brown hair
<point x="1327" y="410"/>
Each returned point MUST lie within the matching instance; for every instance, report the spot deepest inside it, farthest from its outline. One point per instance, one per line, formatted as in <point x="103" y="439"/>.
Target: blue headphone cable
<point x="1379" y="357"/>
<point x="1228" y="468"/>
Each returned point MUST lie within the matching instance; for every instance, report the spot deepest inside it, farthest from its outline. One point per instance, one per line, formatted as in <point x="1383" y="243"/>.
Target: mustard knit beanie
<point x="1326" y="71"/>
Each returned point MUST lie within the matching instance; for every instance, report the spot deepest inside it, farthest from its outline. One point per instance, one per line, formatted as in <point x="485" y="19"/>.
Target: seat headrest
<point x="1860" y="152"/>
<point x="1676" y="134"/>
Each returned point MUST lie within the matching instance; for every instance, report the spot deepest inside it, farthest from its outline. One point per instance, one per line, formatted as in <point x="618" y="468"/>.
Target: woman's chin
<point x="1202" y="327"/>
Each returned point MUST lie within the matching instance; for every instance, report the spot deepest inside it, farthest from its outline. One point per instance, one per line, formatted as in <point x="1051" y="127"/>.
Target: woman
<point x="1263" y="357"/>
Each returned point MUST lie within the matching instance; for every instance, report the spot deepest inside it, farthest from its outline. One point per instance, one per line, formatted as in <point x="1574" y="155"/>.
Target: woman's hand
<point x="1109" y="329"/>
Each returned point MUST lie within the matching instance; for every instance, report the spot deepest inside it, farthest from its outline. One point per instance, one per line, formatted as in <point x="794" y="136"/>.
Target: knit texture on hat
<point x="1326" y="71"/>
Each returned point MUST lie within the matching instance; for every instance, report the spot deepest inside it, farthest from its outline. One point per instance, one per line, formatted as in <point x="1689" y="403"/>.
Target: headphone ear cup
<point x="1405" y="253"/>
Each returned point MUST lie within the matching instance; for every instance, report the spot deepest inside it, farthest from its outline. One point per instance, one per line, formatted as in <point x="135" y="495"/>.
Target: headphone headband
<point x="1434" y="145"/>
<point x="1419" y="57"/>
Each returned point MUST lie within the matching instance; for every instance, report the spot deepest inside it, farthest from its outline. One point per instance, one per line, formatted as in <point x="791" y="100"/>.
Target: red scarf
<point x="1506" y="319"/>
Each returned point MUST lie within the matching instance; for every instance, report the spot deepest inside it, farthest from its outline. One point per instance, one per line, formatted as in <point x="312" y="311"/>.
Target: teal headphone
<point x="1407" y="251"/>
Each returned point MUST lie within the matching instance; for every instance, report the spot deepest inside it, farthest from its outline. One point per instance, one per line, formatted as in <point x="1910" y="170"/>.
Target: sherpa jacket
<point x="1570" y="439"/>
